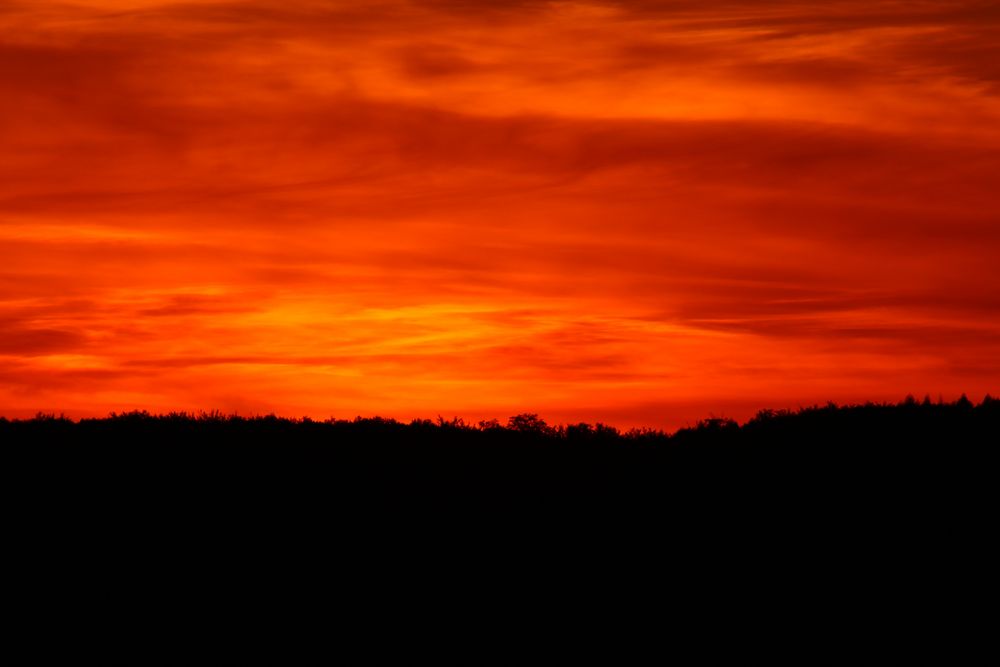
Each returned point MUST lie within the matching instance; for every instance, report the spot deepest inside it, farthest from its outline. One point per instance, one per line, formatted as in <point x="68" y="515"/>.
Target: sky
<point x="635" y="212"/>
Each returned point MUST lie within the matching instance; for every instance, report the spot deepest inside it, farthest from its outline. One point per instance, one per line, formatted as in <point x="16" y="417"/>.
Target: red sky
<point x="638" y="212"/>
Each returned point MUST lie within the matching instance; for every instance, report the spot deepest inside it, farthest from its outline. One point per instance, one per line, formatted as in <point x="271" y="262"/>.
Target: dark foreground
<point x="823" y="459"/>
<point x="890" y="501"/>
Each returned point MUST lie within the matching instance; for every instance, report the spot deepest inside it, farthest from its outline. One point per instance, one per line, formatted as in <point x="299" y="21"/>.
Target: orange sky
<point x="638" y="212"/>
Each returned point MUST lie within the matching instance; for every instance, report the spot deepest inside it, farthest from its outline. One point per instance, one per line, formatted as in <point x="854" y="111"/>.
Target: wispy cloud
<point x="632" y="208"/>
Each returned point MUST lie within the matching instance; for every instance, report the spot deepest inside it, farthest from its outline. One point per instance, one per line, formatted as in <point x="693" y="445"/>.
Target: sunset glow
<point x="637" y="212"/>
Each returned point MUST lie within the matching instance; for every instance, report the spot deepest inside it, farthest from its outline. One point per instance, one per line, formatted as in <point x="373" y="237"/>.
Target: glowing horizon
<point x="635" y="212"/>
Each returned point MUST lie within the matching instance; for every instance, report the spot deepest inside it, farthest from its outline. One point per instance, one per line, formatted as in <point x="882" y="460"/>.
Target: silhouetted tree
<point x="528" y="423"/>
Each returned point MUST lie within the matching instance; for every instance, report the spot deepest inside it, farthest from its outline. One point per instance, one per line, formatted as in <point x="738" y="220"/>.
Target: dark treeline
<point x="874" y="470"/>
<point x="904" y="415"/>
<point x="818" y="453"/>
<point x="831" y="505"/>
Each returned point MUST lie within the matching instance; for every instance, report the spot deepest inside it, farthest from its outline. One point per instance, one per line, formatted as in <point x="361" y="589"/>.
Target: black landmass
<point x="831" y="518"/>
<point x="823" y="456"/>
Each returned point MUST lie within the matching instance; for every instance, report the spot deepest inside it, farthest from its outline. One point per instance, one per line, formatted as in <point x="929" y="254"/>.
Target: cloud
<point x="482" y="208"/>
<point x="32" y="342"/>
